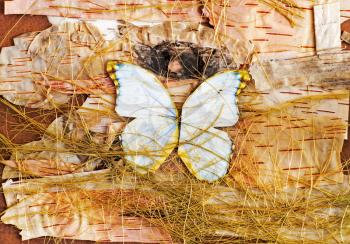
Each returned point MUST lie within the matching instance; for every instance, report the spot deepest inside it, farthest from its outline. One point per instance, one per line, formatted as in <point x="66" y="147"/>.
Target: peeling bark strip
<point x="70" y="215"/>
<point x="330" y="71"/>
<point x="327" y="26"/>
<point x="133" y="10"/>
<point x="346" y="37"/>
<point x="182" y="60"/>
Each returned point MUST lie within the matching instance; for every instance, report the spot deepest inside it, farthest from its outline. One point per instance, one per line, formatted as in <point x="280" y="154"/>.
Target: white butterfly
<point x="158" y="129"/>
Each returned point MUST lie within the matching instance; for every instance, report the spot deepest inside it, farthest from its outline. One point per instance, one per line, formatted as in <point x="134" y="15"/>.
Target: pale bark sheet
<point x="272" y="33"/>
<point x="148" y="11"/>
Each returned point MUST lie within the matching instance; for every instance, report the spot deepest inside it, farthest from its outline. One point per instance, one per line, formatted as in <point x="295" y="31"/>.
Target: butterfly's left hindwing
<point x="205" y="150"/>
<point x="149" y="139"/>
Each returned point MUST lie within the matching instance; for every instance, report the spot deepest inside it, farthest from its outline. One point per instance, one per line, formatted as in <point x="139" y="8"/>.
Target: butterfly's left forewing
<point x="153" y="134"/>
<point x="206" y="150"/>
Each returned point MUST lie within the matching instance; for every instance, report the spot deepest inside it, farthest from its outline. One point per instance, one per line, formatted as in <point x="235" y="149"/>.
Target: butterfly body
<point x="157" y="128"/>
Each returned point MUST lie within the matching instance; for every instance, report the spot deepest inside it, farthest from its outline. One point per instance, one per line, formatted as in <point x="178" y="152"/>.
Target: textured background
<point x="11" y="26"/>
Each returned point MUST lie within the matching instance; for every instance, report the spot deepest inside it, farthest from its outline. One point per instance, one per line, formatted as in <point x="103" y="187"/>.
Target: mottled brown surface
<point x="11" y="26"/>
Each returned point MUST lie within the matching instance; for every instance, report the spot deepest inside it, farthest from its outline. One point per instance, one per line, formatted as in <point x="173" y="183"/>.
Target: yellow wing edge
<point x="111" y="69"/>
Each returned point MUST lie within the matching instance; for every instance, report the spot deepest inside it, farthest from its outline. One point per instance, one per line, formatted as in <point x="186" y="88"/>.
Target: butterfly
<point x="157" y="127"/>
